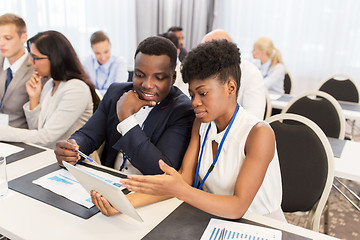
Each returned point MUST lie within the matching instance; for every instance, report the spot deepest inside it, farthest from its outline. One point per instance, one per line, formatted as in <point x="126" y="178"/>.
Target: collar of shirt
<point x="213" y="135"/>
<point x="264" y="68"/>
<point x="105" y="67"/>
<point x="16" y="65"/>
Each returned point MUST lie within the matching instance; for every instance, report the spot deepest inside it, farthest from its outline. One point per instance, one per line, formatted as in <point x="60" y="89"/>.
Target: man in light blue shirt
<point x="103" y="68"/>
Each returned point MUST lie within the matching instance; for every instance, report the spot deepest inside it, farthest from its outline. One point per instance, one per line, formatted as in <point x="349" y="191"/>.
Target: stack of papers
<point x="8" y="149"/>
<point x="63" y="183"/>
<point x="219" y="229"/>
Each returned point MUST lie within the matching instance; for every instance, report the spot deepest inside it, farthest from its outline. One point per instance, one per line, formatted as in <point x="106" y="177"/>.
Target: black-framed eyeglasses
<point x="37" y="58"/>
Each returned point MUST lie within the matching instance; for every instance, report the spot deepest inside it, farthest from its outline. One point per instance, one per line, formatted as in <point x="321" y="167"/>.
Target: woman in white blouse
<point x="272" y="67"/>
<point x="64" y="103"/>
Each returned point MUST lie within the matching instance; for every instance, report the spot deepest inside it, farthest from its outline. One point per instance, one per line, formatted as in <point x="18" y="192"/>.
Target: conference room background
<point x="316" y="38"/>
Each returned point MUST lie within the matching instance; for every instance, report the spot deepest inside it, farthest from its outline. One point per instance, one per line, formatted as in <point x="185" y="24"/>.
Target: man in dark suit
<point x="15" y="69"/>
<point x="140" y="122"/>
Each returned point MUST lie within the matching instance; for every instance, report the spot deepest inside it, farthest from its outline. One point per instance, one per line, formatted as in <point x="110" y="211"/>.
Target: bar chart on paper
<point x="221" y="230"/>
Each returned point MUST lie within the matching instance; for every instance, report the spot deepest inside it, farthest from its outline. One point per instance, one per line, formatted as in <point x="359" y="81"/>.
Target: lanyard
<point x="124" y="158"/>
<point x="107" y="77"/>
<point x="267" y="72"/>
<point x="217" y="153"/>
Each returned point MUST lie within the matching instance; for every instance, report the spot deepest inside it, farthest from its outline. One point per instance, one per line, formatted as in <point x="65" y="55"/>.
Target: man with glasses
<point x="15" y="70"/>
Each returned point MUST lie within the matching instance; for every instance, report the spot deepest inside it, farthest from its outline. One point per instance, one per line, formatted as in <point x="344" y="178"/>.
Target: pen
<point x="222" y="234"/>
<point x="86" y="157"/>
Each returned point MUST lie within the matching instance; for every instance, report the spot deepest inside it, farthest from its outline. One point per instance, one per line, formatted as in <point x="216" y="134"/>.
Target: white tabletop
<point x="23" y="217"/>
<point x="348" y="165"/>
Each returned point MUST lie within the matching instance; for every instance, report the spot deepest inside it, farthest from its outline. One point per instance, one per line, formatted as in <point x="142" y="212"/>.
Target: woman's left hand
<point x="170" y="183"/>
<point x="103" y="204"/>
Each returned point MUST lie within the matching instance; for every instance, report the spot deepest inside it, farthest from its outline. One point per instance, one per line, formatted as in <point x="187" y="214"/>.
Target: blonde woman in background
<point x="272" y="67"/>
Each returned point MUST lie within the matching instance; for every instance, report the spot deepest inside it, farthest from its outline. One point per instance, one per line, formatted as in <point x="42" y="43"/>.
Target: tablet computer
<point x="112" y="193"/>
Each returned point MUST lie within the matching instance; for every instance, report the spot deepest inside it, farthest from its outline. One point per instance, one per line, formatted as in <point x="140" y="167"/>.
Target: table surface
<point x="23" y="217"/>
<point x="348" y="164"/>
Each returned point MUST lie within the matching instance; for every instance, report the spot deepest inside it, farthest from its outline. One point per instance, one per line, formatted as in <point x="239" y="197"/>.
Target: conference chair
<point x="342" y="88"/>
<point x="287" y="83"/>
<point x="322" y="109"/>
<point x="306" y="164"/>
<point x="131" y="73"/>
<point x="268" y="106"/>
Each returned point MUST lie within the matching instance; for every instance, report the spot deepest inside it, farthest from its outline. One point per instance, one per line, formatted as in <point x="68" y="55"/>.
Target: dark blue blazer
<point x="166" y="133"/>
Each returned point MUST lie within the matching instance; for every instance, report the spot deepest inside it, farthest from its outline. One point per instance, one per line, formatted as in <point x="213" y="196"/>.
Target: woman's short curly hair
<point x="215" y="58"/>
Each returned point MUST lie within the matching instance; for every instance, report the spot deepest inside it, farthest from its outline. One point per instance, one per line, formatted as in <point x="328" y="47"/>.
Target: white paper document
<point x="8" y="149"/>
<point x="63" y="183"/>
<point x="220" y="229"/>
<point x="4" y="119"/>
<point x="274" y="96"/>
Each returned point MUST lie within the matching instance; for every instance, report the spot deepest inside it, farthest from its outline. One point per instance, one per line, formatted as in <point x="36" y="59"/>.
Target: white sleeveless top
<point x="223" y="177"/>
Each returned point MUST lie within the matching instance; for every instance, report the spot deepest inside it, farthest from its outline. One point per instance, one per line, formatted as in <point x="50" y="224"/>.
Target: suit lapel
<point x="2" y="78"/>
<point x="18" y="78"/>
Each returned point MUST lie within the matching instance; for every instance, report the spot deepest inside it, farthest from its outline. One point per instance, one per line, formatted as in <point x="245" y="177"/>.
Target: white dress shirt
<point x="114" y="70"/>
<point x="252" y="89"/>
<point x="16" y="65"/>
<point x="123" y="127"/>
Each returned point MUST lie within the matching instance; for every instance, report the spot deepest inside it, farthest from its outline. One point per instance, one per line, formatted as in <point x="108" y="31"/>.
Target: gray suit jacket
<point x="16" y="95"/>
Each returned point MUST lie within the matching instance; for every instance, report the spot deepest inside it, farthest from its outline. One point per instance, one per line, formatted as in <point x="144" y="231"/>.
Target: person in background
<point x="15" y="69"/>
<point x="179" y="34"/>
<point x="244" y="176"/>
<point x="173" y="38"/>
<point x="178" y="82"/>
<point x="67" y="99"/>
<point x="271" y="67"/>
<point x="102" y="67"/>
<point x="140" y="121"/>
<point x="252" y="94"/>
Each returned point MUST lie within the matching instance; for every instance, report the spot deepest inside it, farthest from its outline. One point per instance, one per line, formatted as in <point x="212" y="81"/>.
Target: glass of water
<point x="3" y="177"/>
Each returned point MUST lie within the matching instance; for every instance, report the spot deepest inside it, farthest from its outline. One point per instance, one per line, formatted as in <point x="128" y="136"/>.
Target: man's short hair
<point x="172" y="37"/>
<point x="97" y="37"/>
<point x="175" y="29"/>
<point x="158" y="46"/>
<point x="10" y="18"/>
<point x="215" y="58"/>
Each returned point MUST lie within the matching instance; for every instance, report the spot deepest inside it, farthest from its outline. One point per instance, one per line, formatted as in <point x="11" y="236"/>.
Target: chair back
<point x="322" y="109"/>
<point x="131" y="74"/>
<point x="287" y="84"/>
<point x="306" y="164"/>
<point x="268" y="106"/>
<point x="342" y="88"/>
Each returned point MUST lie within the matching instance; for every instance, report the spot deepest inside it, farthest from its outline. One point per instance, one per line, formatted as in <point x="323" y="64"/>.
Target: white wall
<point x="316" y="38"/>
